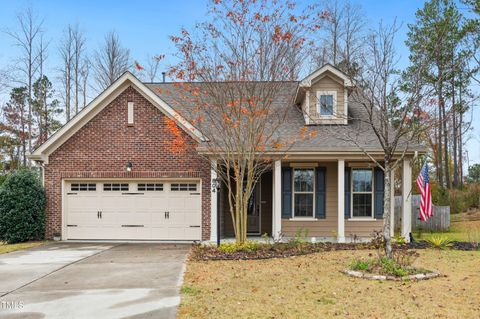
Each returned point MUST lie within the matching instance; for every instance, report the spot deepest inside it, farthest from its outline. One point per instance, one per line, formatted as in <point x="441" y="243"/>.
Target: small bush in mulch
<point x="400" y="265"/>
<point x="397" y="266"/>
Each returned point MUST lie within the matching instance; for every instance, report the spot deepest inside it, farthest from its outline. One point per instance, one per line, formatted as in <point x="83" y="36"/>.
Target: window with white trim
<point x="130" y="112"/>
<point x="326" y="103"/>
<point x="83" y="187"/>
<point x="115" y="187"/>
<point x="150" y="187"/>
<point x="183" y="187"/>
<point x="303" y="192"/>
<point x="362" y="193"/>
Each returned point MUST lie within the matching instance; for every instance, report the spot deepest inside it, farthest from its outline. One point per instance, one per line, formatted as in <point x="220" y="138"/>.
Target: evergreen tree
<point x="16" y="122"/>
<point x="46" y="108"/>
<point x="438" y="36"/>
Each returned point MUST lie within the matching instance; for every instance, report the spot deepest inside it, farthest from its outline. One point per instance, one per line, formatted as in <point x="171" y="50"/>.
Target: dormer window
<point x="326" y="103"/>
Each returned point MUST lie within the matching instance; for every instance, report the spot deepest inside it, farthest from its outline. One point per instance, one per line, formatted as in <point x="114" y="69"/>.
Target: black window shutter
<point x="286" y="192"/>
<point x="347" y="192"/>
<point x="379" y="192"/>
<point x="320" y="193"/>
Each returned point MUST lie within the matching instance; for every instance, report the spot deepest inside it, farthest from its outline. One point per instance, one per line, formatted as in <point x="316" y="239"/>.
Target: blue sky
<point x="144" y="27"/>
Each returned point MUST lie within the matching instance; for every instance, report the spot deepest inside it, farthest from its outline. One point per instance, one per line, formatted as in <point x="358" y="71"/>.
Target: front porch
<point x="324" y="200"/>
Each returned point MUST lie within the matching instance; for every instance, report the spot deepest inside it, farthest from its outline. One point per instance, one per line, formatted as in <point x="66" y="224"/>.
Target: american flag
<point x="423" y="183"/>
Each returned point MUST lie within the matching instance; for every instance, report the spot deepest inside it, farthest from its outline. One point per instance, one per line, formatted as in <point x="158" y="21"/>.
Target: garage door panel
<point x="159" y="204"/>
<point x="158" y="218"/>
<point x="117" y="202"/>
<point x="193" y="218"/>
<point x="184" y="202"/>
<point x="85" y="232"/>
<point x="124" y="218"/>
<point x="78" y="202"/>
<point x="82" y="218"/>
<point x="176" y="218"/>
<point x="192" y="233"/>
<point x="133" y="214"/>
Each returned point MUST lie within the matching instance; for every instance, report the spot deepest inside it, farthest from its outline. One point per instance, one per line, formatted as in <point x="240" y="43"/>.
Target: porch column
<point x="213" y="203"/>
<point x="392" y="204"/>
<point x="406" y="199"/>
<point x="277" y="200"/>
<point x="341" y="201"/>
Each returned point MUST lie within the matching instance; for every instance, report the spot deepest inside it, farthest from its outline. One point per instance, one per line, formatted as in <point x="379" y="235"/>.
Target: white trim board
<point x="99" y="103"/>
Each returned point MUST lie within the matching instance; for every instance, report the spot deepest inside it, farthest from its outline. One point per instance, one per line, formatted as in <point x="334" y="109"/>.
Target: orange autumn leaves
<point x="177" y="144"/>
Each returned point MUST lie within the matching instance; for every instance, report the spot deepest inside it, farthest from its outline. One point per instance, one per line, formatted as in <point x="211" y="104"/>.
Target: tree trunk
<point x="67" y="92"/>
<point x="460" y="137"/>
<point x="445" y="146"/>
<point x="439" y="145"/>
<point x="387" y="210"/>
<point x="454" y="128"/>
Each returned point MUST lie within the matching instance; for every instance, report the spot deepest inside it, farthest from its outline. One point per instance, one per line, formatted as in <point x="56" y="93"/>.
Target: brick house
<point x="110" y="173"/>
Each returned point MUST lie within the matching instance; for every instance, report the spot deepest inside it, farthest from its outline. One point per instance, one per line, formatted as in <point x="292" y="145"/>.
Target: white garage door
<point x="126" y="210"/>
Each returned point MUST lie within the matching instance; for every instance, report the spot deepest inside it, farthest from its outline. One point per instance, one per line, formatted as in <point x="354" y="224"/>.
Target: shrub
<point x="22" y="207"/>
<point x="300" y="236"/>
<point x="360" y="265"/>
<point x="399" y="265"/>
<point x="231" y="247"/>
<point x="440" y="241"/>
<point x="458" y="200"/>
<point x="2" y="179"/>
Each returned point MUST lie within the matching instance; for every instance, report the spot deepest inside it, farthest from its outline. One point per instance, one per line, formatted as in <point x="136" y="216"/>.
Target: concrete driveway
<point x="83" y="280"/>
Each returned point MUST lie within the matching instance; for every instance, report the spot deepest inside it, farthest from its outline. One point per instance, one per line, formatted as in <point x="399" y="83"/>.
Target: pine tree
<point x="437" y="36"/>
<point x="46" y="109"/>
<point x="16" y="121"/>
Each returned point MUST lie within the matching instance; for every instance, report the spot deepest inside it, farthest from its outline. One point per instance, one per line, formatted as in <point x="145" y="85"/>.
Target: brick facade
<point x="103" y="146"/>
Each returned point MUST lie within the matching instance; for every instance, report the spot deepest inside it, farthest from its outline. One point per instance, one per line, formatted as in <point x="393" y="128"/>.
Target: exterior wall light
<point x="215" y="185"/>
<point x="129" y="166"/>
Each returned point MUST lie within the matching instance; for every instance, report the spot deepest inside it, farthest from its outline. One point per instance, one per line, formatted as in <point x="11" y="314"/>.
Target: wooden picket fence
<point x="439" y="222"/>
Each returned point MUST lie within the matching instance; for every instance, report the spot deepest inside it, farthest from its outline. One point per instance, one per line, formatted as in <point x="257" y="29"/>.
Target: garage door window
<point x="150" y="187"/>
<point x="115" y="187"/>
<point x="183" y="187"/>
<point x="83" y="187"/>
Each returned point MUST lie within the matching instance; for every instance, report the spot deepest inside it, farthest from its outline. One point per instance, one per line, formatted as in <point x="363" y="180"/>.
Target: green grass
<point x="8" y="248"/>
<point x="460" y="230"/>
<point x="189" y="290"/>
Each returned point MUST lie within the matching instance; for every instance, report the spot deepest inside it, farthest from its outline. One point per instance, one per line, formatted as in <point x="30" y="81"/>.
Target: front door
<point x="254" y="211"/>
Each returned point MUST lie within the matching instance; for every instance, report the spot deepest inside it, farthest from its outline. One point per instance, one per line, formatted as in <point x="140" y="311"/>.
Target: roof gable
<point x="324" y="70"/>
<point x="99" y="103"/>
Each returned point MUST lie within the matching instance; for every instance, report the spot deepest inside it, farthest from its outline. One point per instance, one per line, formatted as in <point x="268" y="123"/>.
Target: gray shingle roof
<point x="334" y="138"/>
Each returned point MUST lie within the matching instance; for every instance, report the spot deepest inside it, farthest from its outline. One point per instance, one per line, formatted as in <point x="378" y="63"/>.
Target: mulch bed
<point x="282" y="250"/>
<point x="462" y="245"/>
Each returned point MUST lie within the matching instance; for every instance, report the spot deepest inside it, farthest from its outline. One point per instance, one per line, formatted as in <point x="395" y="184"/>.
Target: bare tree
<point x="110" y="61"/>
<point x="342" y="38"/>
<point x="26" y="38"/>
<point x="67" y="52"/>
<point x="334" y="28"/>
<point x="240" y="56"/>
<point x="152" y="66"/>
<point x="395" y="117"/>
<point x="352" y="41"/>
<point x="78" y="58"/>
<point x="84" y="75"/>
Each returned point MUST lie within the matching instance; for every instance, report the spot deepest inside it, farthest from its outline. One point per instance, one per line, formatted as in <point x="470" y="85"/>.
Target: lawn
<point x="463" y="227"/>
<point x="312" y="286"/>
<point x="8" y="248"/>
